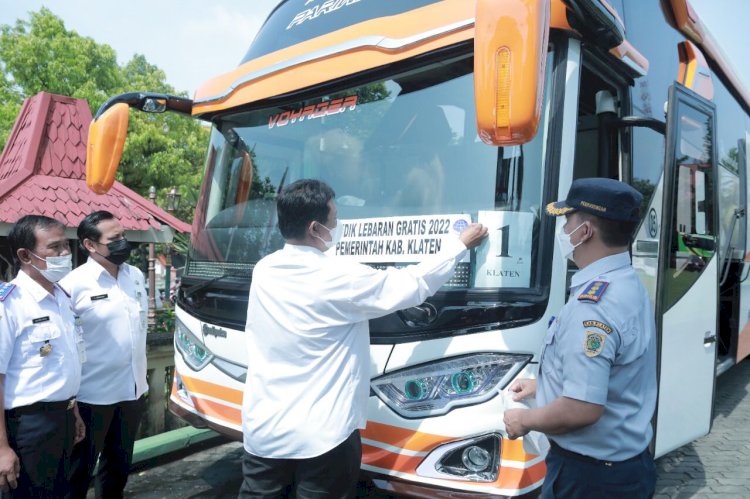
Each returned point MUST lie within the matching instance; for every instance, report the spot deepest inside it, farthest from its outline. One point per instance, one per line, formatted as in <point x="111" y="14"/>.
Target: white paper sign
<point x="504" y="260"/>
<point x="397" y="239"/>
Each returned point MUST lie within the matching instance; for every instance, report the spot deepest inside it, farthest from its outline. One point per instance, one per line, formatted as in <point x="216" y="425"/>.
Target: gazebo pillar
<point x="151" y="273"/>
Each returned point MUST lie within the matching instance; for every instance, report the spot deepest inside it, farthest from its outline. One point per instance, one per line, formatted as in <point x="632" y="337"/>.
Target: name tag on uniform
<point x="40" y="319"/>
<point x="99" y="297"/>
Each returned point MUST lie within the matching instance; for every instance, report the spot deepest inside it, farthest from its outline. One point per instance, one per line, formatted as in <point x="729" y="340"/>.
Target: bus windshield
<point x="402" y="155"/>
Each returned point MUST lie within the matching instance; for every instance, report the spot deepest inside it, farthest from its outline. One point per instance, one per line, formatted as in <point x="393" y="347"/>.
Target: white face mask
<point x="57" y="266"/>
<point x="335" y="235"/>
<point x="563" y="240"/>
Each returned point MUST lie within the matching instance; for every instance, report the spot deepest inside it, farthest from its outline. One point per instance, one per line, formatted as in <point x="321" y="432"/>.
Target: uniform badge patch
<point x="594" y="291"/>
<point x="6" y="289"/>
<point x="594" y="343"/>
<point x="45" y="349"/>
<point x="599" y="325"/>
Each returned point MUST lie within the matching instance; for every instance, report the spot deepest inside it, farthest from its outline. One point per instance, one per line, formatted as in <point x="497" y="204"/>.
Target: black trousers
<point x="331" y="475"/>
<point x="572" y="476"/>
<point x="42" y="436"/>
<point x="110" y="435"/>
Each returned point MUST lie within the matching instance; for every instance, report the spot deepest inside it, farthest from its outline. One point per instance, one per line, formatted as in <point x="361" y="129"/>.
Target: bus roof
<point x="354" y="48"/>
<point x="338" y="38"/>
<point x="296" y="21"/>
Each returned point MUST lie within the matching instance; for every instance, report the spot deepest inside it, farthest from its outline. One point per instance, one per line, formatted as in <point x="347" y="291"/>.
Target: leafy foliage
<point x="165" y="321"/>
<point x="40" y="54"/>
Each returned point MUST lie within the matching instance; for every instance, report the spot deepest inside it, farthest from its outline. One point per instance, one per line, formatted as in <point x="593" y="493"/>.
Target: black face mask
<point x="119" y="251"/>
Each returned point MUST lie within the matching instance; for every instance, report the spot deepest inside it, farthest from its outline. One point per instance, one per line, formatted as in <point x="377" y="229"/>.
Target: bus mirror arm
<point x="608" y="121"/>
<point x="149" y="102"/>
<point x="658" y="126"/>
<point x="611" y="122"/>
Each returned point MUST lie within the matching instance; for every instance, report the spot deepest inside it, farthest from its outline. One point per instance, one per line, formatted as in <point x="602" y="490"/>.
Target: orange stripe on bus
<point x="217" y="410"/>
<point x="512" y="450"/>
<point x="195" y="385"/>
<point x="403" y="438"/>
<point x="382" y="458"/>
<point x="517" y="478"/>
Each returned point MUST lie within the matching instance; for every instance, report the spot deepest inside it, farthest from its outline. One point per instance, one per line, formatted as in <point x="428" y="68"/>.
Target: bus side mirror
<point x="106" y="140"/>
<point x="510" y="54"/>
<point x="110" y="127"/>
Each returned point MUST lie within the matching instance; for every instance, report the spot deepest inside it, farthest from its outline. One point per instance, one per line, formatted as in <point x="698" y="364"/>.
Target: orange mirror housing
<point x="510" y="54"/>
<point x="106" y="141"/>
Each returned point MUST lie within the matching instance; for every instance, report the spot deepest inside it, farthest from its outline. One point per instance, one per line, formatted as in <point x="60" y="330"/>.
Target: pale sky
<point x="195" y="40"/>
<point x="191" y="40"/>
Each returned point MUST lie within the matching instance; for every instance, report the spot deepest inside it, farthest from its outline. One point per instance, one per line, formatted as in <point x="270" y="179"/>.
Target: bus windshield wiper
<point x="203" y="285"/>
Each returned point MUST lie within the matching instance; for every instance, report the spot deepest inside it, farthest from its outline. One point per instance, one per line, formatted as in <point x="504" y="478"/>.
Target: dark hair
<point x="300" y="203"/>
<point x="613" y="233"/>
<point x="23" y="233"/>
<point x="88" y="229"/>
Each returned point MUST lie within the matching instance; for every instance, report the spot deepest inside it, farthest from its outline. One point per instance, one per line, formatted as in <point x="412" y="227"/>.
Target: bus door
<point x="687" y="288"/>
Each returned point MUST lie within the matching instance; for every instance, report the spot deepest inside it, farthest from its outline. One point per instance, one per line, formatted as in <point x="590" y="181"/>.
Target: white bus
<point x="424" y="115"/>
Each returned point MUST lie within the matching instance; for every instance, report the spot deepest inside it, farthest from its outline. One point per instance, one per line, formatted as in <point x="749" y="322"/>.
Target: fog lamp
<point x="475" y="458"/>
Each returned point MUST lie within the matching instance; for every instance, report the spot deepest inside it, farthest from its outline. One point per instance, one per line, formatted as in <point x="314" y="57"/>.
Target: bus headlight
<point x="437" y="387"/>
<point x="193" y="351"/>
<point x="476" y="459"/>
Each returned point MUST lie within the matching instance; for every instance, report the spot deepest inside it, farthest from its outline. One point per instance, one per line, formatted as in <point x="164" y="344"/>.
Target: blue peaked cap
<point x="603" y="197"/>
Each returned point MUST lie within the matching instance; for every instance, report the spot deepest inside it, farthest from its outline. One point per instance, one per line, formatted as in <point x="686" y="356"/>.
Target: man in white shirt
<point x="308" y="347"/>
<point x="109" y="297"/>
<point x="40" y="370"/>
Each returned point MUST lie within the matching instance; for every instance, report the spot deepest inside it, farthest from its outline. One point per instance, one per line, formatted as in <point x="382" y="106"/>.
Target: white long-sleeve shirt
<point x="308" y="343"/>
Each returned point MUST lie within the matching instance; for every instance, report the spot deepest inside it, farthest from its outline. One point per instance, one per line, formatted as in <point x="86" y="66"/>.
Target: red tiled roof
<point x="43" y="167"/>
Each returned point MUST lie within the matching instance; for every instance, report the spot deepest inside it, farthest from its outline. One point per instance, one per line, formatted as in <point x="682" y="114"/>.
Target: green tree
<point x="10" y="104"/>
<point x="164" y="150"/>
<point x="40" y="54"/>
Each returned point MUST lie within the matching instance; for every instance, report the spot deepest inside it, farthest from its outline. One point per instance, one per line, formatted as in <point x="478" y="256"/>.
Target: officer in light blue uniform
<point x="596" y="388"/>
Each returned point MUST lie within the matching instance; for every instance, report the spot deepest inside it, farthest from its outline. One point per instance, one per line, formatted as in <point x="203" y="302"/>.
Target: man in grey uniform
<point x="596" y="389"/>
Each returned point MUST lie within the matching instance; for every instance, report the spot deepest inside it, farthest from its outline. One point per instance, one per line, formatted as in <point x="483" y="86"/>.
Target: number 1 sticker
<point x="504" y="261"/>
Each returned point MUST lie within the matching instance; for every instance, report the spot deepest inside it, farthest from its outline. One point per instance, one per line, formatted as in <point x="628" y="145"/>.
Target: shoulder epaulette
<point x="594" y="291"/>
<point x="6" y="289"/>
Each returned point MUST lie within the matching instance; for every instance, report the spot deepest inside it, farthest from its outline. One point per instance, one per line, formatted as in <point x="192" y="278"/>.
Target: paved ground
<point x="717" y="465"/>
